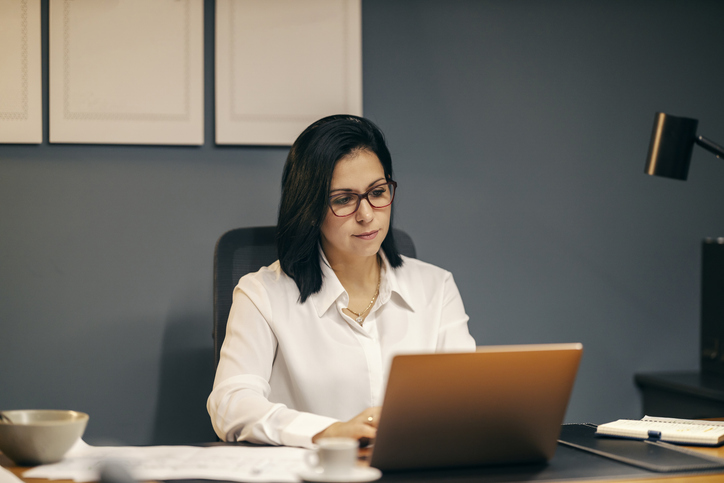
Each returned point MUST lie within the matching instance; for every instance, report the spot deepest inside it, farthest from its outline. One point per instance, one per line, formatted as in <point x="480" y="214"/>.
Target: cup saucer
<point x="358" y="474"/>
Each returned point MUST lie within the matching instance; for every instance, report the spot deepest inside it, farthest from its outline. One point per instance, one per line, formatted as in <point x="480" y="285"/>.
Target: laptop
<point x="498" y="405"/>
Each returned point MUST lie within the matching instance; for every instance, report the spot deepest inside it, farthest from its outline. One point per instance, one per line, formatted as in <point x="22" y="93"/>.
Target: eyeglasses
<point x="379" y="196"/>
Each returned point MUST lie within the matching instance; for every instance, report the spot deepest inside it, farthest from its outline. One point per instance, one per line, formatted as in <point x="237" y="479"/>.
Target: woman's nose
<point x="365" y="212"/>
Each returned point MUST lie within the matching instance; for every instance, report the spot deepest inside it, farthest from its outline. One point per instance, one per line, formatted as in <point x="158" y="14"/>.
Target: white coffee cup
<point x="335" y="457"/>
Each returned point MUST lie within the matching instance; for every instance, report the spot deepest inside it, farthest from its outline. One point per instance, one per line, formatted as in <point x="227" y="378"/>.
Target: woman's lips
<point x="370" y="235"/>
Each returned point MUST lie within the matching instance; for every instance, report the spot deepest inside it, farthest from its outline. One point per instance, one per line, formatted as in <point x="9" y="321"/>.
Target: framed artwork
<point x="21" y="109"/>
<point x="126" y="71"/>
<point x="282" y="64"/>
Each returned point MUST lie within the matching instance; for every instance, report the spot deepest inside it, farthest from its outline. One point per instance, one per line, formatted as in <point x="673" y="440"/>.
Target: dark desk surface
<point x="569" y="465"/>
<point x="682" y="394"/>
<point x="692" y="383"/>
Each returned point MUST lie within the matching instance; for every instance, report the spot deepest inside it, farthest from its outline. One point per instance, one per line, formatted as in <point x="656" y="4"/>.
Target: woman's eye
<point x="342" y="200"/>
<point x="378" y="192"/>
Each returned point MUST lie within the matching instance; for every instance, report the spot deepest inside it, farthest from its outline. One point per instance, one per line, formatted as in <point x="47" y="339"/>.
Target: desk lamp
<point x="670" y="149"/>
<point x="672" y="142"/>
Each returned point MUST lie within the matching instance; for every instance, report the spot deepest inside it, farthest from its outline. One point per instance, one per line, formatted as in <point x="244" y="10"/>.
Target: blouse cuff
<point x="303" y="428"/>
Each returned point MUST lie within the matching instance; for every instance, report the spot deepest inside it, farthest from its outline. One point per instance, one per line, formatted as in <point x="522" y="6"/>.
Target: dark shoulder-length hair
<point x="305" y="193"/>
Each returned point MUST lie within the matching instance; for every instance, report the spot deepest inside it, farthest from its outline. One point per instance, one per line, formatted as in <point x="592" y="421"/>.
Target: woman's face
<point x="361" y="233"/>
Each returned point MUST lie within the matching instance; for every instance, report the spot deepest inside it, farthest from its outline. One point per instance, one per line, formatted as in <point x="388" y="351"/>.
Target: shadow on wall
<point x="185" y="380"/>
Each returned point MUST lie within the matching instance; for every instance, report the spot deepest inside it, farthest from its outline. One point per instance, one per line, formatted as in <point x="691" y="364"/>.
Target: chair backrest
<point x="246" y="250"/>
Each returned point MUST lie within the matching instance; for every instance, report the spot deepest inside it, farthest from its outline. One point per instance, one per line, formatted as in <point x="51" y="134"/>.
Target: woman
<point x="310" y="338"/>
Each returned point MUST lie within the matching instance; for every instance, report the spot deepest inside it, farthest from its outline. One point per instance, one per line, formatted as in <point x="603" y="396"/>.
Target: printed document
<point x="225" y="462"/>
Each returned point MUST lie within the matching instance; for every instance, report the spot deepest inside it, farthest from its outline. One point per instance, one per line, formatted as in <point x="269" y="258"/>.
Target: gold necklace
<point x="360" y="316"/>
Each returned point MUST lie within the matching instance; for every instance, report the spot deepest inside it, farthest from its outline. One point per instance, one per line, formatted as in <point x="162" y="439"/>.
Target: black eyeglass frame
<point x="365" y="196"/>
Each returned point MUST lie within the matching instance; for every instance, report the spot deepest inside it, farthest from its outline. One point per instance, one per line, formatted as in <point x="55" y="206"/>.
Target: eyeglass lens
<point x="344" y="204"/>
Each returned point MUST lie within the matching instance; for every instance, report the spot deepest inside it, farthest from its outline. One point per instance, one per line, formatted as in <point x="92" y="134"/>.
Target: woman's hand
<point x="362" y="427"/>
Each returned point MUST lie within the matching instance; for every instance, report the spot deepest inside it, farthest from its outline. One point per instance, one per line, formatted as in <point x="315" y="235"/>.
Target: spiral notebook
<point x="651" y="455"/>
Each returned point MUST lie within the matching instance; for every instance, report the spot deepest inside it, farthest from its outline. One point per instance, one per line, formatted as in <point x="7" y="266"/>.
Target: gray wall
<point x="518" y="130"/>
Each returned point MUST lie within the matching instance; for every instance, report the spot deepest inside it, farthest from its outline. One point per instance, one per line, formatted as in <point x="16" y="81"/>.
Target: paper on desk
<point x="7" y="477"/>
<point x="229" y="463"/>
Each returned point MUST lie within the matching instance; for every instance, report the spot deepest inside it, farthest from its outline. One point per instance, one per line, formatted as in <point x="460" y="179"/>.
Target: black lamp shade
<point x="672" y="142"/>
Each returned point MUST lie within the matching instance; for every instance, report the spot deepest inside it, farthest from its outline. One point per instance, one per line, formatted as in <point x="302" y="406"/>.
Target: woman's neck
<point x="357" y="274"/>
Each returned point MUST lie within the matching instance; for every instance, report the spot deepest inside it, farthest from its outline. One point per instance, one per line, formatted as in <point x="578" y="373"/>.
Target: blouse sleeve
<point x="454" y="335"/>
<point x="238" y="404"/>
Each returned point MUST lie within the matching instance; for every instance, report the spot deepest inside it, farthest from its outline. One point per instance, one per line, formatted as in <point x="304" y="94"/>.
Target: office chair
<point x="244" y="250"/>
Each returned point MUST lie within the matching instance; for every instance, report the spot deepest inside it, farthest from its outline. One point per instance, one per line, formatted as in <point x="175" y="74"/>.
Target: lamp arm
<point x="710" y="146"/>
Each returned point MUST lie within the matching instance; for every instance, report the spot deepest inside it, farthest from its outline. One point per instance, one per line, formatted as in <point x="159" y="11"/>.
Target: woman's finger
<point x="372" y="416"/>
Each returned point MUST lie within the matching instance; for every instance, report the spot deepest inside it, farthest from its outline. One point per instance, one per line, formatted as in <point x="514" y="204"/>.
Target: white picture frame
<point x="126" y="72"/>
<point x="282" y="64"/>
<point x="21" y="107"/>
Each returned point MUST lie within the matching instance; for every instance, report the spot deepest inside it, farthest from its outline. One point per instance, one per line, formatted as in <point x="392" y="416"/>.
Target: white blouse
<point x="289" y="370"/>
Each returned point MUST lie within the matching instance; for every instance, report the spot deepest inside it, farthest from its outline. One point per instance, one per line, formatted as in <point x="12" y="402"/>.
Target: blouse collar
<point x="332" y="288"/>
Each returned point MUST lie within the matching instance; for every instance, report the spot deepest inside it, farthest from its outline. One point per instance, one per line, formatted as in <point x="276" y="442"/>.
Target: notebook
<point x="498" y="405"/>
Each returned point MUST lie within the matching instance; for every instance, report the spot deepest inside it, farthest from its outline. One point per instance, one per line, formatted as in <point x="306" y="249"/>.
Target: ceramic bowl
<point x="39" y="436"/>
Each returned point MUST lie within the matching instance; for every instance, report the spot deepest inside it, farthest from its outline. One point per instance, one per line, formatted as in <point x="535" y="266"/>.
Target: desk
<point x="683" y="394"/>
<point x="468" y="476"/>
